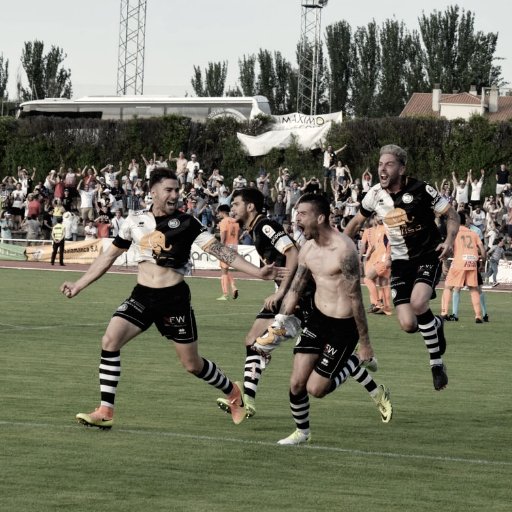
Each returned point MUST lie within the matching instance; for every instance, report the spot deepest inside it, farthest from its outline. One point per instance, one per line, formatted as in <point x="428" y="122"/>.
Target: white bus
<point x="242" y="108"/>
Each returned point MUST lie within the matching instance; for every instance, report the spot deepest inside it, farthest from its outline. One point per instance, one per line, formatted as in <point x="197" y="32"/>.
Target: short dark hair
<point x="223" y="208"/>
<point x="319" y="202"/>
<point x="159" y="174"/>
<point x="251" y="195"/>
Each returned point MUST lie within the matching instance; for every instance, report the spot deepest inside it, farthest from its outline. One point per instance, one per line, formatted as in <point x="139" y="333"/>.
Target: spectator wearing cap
<point x="461" y="188"/>
<point x="192" y="168"/>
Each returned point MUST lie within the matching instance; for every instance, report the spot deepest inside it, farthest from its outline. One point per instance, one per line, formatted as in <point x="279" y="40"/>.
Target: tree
<point x="391" y="97"/>
<point x="247" y="76"/>
<point x="455" y="56"/>
<point x="366" y="67"/>
<point x="46" y="78"/>
<point x="4" y="75"/>
<point x="282" y="95"/>
<point x="267" y="77"/>
<point x="214" y="80"/>
<point x="414" y="69"/>
<point x="338" y="39"/>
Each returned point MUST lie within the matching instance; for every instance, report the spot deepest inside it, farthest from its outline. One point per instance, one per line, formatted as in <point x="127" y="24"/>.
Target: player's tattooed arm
<point x="222" y="252"/>
<point x="300" y="280"/>
<point x="351" y="283"/>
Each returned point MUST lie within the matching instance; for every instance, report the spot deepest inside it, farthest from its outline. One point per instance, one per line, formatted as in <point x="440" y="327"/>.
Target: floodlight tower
<point x="132" y="31"/>
<point x="309" y="55"/>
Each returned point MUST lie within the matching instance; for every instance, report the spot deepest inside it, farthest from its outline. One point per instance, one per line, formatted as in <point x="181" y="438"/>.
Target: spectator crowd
<point x="93" y="203"/>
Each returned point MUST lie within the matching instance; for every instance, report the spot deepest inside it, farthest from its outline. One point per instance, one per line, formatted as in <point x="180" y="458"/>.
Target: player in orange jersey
<point x="377" y="270"/>
<point x="229" y="234"/>
<point x="468" y="258"/>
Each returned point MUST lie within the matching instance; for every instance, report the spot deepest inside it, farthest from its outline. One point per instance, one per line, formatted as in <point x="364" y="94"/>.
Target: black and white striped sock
<point x="215" y="377"/>
<point x="299" y="405"/>
<point x="252" y="372"/>
<point x="109" y="373"/>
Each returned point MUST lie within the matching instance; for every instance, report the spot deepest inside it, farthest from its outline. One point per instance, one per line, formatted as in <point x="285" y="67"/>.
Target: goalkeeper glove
<point x="284" y="327"/>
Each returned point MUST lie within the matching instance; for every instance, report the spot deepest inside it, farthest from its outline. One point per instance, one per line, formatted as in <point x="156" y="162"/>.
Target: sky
<point x="184" y="34"/>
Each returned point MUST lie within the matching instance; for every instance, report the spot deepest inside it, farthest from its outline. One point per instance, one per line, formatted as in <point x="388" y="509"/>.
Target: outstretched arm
<point x="232" y="258"/>
<point x="98" y="267"/>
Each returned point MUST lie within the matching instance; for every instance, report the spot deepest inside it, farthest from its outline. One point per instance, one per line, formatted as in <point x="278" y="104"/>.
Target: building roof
<point x="420" y="105"/>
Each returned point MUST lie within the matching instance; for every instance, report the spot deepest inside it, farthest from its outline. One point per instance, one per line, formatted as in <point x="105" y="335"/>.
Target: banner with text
<point x="309" y="132"/>
<point x="85" y="252"/>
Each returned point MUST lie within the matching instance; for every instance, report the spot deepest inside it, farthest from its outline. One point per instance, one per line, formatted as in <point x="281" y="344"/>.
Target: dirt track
<point x="32" y="265"/>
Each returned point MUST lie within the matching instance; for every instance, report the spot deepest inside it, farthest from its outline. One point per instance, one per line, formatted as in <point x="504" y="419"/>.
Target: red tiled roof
<point x="420" y="105"/>
<point x="463" y="98"/>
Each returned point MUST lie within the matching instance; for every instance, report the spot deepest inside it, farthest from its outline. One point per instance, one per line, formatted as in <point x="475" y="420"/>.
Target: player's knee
<point x="318" y="390"/>
<point x="192" y="365"/>
<point x="297" y="387"/>
<point x="410" y="326"/>
<point x="109" y="343"/>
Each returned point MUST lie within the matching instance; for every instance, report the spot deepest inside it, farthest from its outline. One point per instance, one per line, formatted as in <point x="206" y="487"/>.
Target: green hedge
<point x="436" y="147"/>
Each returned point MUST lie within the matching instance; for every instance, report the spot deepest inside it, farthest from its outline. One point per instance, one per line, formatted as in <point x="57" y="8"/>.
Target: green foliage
<point x="436" y="147"/>
<point x="46" y="77"/>
<point x="214" y="81"/>
<point x="4" y="75"/>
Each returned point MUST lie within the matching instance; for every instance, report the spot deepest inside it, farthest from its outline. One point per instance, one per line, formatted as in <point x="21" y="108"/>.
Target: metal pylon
<point x="309" y="55"/>
<point x="132" y="31"/>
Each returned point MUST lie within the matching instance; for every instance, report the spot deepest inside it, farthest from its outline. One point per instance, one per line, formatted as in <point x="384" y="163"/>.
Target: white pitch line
<point x="231" y="440"/>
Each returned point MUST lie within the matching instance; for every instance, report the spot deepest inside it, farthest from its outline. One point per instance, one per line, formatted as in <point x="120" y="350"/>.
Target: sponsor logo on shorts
<point x="393" y="294"/>
<point x="122" y="307"/>
<point x="324" y="362"/>
<point x="330" y="350"/>
<point x="173" y="223"/>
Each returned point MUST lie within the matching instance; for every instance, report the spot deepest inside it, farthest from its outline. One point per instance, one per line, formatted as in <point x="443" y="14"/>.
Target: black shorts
<point x="333" y="339"/>
<point x="168" y="308"/>
<point x="329" y="173"/>
<point x="405" y="274"/>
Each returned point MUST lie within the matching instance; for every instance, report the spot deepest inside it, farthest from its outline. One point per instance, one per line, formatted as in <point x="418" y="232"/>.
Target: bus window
<point x="142" y="112"/>
<point x="108" y="112"/>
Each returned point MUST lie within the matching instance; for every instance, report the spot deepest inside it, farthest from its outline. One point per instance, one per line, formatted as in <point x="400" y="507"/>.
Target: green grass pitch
<point x="171" y="449"/>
